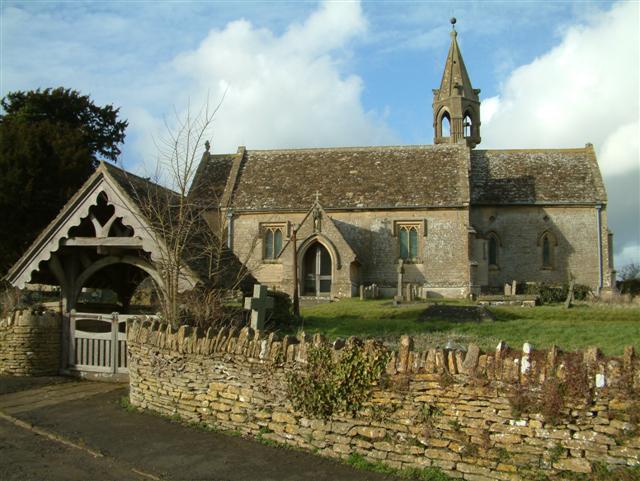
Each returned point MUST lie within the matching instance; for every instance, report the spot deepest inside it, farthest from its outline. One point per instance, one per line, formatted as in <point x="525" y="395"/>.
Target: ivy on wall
<point x="326" y="387"/>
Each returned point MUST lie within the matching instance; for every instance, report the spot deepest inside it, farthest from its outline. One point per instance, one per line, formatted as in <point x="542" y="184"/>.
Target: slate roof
<point x="358" y="177"/>
<point x="568" y="176"/>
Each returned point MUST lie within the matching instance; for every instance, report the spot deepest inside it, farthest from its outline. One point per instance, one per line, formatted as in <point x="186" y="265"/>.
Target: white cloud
<point x="586" y="89"/>
<point x="283" y="90"/>
<point x="628" y="255"/>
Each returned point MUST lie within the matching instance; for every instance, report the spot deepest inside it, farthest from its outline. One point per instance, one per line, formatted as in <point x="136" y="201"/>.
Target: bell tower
<point x="456" y="105"/>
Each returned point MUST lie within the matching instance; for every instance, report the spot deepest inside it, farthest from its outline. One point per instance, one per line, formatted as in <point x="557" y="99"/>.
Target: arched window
<point x="408" y="242"/>
<point x="272" y="242"/>
<point x="546" y="252"/>
<point x="493" y="250"/>
<point x="467" y="125"/>
<point x="547" y="244"/>
<point x="445" y="125"/>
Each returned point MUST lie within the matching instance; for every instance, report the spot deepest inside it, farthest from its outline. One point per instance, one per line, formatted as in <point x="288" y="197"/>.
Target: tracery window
<point x="272" y="241"/>
<point x="408" y="238"/>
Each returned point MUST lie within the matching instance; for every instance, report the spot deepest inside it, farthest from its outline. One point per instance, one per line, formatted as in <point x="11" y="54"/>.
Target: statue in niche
<point x="317" y="220"/>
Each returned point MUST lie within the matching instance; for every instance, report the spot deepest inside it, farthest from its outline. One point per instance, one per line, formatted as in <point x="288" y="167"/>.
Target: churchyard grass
<point x="609" y="327"/>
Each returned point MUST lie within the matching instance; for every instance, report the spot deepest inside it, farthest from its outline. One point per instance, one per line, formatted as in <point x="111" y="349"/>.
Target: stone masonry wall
<point x="471" y="414"/>
<point x="520" y="256"/>
<point x="442" y="265"/>
<point x="30" y="343"/>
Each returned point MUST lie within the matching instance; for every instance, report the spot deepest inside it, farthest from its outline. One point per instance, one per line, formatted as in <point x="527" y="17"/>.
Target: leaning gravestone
<point x="258" y="304"/>
<point x="569" y="300"/>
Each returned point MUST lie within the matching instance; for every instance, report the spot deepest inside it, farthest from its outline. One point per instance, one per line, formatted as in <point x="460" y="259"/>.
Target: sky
<point x="322" y="74"/>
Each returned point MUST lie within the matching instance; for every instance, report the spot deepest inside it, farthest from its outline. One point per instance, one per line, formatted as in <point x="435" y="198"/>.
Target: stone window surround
<point x="264" y="228"/>
<point x="553" y="246"/>
<point x="492" y="235"/>
<point x="421" y="227"/>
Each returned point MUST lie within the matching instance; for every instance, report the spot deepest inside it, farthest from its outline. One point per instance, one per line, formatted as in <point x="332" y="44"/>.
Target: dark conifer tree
<point x="50" y="142"/>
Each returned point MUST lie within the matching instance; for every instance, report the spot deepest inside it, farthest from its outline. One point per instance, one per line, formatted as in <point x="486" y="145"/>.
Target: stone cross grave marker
<point x="398" y="298"/>
<point x="258" y="304"/>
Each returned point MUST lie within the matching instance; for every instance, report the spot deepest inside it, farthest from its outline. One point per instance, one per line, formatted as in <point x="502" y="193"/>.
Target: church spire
<point x="456" y="105"/>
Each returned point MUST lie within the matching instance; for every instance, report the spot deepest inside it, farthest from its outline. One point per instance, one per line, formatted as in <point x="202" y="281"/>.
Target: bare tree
<point x="629" y="272"/>
<point x="189" y="225"/>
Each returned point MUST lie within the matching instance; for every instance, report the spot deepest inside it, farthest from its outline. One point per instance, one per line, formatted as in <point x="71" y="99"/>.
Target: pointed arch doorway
<point x="317" y="271"/>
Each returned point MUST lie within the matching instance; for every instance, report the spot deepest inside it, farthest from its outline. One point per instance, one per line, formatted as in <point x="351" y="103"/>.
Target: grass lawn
<point x="608" y="327"/>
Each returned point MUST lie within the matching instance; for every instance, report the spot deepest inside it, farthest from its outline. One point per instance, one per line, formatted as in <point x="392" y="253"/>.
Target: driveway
<point x="82" y="432"/>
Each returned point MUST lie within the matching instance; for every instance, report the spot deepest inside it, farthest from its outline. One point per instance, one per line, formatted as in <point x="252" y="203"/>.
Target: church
<point x="443" y="220"/>
<point x="456" y="219"/>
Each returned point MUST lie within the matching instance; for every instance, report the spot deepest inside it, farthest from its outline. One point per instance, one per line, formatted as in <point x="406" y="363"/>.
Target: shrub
<point x="324" y="387"/>
<point x="630" y="286"/>
<point x="555" y="293"/>
<point x="281" y="317"/>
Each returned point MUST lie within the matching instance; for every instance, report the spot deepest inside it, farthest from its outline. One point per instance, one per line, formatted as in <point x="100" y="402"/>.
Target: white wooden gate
<point x="98" y="342"/>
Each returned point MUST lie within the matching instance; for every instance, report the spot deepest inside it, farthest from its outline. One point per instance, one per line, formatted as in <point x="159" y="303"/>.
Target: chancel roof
<point x="352" y="178"/>
<point x="540" y="176"/>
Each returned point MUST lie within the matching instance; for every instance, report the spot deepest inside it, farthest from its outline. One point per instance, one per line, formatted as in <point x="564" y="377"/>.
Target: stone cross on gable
<point x="317" y="196"/>
<point x="258" y="304"/>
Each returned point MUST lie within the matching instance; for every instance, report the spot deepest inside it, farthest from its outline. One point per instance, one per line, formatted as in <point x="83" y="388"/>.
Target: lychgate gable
<point x="101" y="226"/>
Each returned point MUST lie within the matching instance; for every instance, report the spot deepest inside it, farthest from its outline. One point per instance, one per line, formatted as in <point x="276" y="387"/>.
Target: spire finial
<point x="453" y="23"/>
<point x="207" y="146"/>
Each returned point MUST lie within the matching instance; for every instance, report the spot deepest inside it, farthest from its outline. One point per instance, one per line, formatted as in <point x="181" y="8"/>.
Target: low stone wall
<point x="30" y="343"/>
<point x="477" y="416"/>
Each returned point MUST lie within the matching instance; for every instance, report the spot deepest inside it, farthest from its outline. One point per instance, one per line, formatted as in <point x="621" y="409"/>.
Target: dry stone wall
<point x="504" y="415"/>
<point x="30" y="343"/>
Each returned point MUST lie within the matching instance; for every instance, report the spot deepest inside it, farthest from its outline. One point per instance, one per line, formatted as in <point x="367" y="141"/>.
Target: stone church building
<point x="463" y="220"/>
<point x="459" y="220"/>
<point x="455" y="219"/>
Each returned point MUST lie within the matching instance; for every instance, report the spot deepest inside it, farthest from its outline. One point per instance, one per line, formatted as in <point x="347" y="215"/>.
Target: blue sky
<point x="552" y="74"/>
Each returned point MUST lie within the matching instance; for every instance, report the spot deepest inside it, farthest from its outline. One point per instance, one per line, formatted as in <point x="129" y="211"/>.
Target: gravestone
<point x="258" y="304"/>
<point x="569" y="300"/>
<point x="369" y="292"/>
<point x="410" y="293"/>
<point x="507" y="289"/>
<point x="514" y="286"/>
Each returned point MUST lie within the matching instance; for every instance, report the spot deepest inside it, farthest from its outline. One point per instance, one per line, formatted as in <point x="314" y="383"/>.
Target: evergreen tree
<point x="50" y="143"/>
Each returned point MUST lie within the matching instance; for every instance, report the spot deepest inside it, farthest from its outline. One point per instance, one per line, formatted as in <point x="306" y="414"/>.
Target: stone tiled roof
<point x="138" y="188"/>
<point x="536" y="176"/>
<point x="359" y="177"/>
<point x="211" y="177"/>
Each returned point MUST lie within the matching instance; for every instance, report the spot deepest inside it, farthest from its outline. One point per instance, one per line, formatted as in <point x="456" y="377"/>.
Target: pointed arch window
<point x="547" y="245"/>
<point x="494" y="250"/>
<point x="409" y="240"/>
<point x="272" y="241"/>
<point x="467" y="125"/>
<point x="445" y="125"/>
